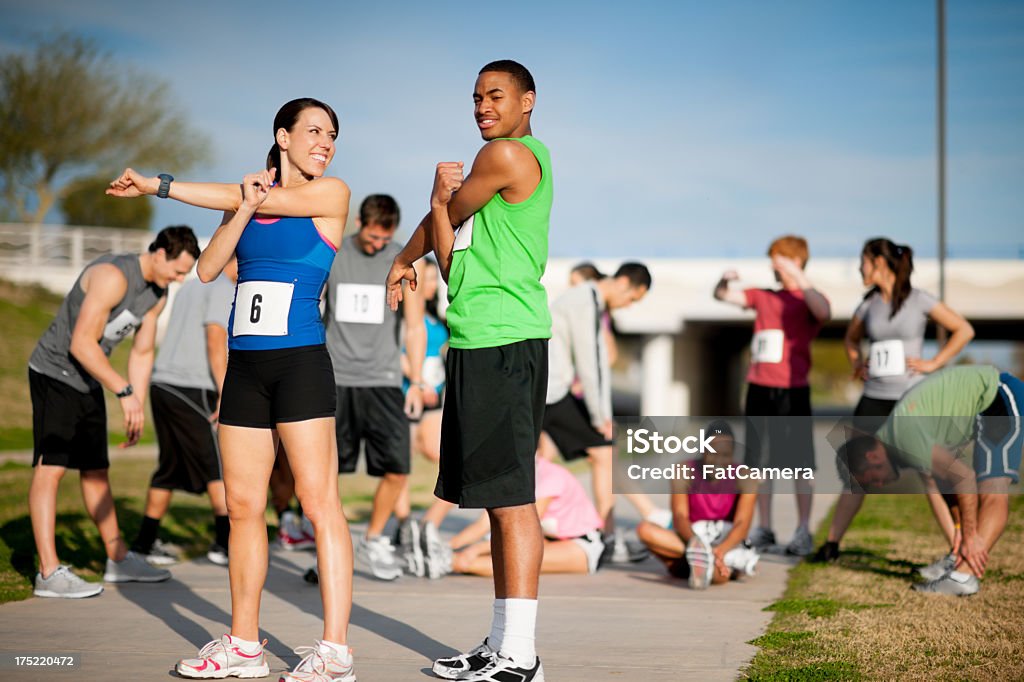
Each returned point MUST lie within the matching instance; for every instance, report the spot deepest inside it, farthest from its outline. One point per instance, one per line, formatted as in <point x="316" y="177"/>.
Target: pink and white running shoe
<point x="224" y="658"/>
<point x="321" y="663"/>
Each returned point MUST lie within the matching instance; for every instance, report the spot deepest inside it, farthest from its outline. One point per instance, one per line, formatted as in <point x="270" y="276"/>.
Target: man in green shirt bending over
<point x="497" y="358"/>
<point x="929" y="426"/>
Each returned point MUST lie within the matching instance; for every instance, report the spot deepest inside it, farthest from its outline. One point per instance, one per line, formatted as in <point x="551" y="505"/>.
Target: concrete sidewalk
<point x="628" y="623"/>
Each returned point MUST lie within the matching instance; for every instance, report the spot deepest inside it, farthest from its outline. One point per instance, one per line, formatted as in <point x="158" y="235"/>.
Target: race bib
<point x="766" y="346"/>
<point x="261" y="308"/>
<point x="886" y="359"/>
<point x="121" y="326"/>
<point x="359" y="303"/>
<point x="433" y="371"/>
<point x="464" y="237"/>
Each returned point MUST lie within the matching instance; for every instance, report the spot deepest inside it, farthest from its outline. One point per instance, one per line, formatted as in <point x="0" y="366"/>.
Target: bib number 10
<point x="359" y="303"/>
<point x="261" y="308"/>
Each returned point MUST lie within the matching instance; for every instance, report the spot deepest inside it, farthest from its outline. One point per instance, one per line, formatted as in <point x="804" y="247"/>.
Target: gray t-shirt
<point x="892" y="341"/>
<point x="363" y="335"/>
<point x="52" y="355"/>
<point x="577" y="348"/>
<point x="183" y="360"/>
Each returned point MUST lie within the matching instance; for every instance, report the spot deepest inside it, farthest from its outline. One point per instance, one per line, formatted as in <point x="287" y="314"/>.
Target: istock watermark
<point x="661" y="455"/>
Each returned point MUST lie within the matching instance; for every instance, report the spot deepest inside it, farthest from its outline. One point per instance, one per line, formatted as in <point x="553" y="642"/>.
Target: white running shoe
<point x="620" y="550"/>
<point x="502" y="669"/>
<point x="472" y="661"/>
<point x="290" y="534"/>
<point x="742" y="558"/>
<point x="802" y="543"/>
<point x="701" y="561"/>
<point x="953" y="583"/>
<point x="134" y="569"/>
<point x="161" y="554"/>
<point x="378" y="555"/>
<point x="320" y="663"/>
<point x="762" y="538"/>
<point x="64" y="584"/>
<point x="437" y="553"/>
<point x="307" y="528"/>
<point x="409" y="548"/>
<point x="937" y="569"/>
<point x="223" y="658"/>
<point x="217" y="555"/>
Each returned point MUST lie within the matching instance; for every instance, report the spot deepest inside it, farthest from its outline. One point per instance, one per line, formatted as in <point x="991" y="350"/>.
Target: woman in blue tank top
<point x="280" y="382"/>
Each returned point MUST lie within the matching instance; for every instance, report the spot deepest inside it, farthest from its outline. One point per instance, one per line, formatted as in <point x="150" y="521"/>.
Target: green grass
<point x="858" y="619"/>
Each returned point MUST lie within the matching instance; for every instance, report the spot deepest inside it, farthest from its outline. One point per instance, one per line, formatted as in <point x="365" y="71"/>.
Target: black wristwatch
<point x="125" y="392"/>
<point x="165" y="185"/>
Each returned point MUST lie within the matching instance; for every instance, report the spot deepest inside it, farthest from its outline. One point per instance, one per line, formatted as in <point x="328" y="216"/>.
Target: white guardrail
<point x="64" y="246"/>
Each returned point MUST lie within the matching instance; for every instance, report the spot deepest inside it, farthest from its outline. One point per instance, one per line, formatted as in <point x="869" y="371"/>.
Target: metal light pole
<point x="940" y="131"/>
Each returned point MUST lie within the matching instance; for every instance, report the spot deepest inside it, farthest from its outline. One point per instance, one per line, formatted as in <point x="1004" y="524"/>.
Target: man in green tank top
<point x="489" y="232"/>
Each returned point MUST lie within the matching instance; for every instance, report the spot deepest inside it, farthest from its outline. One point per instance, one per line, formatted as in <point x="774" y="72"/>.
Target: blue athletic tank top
<point x="433" y="362"/>
<point x="283" y="264"/>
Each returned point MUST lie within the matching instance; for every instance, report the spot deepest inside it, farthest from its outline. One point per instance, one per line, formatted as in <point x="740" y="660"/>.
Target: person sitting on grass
<point x="928" y="430"/>
<point x="571" y="525"/>
<point x="710" y="519"/>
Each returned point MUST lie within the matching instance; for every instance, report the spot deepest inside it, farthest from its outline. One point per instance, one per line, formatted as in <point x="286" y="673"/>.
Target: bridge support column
<point x="661" y="393"/>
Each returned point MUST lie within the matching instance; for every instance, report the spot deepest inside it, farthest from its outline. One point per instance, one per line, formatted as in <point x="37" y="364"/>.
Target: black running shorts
<point x="263" y="388"/>
<point x="69" y="428"/>
<point x="374" y="415"/>
<point x="493" y="413"/>
<point x="782" y="416"/>
<point x="189" y="458"/>
<point x="568" y="423"/>
<point x="871" y="413"/>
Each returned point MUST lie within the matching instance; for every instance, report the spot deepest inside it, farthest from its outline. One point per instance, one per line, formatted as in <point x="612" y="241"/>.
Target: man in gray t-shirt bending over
<point x="116" y="295"/>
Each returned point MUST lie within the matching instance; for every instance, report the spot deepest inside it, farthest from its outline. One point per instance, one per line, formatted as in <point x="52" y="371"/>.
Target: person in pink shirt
<point x="778" y="393"/>
<point x="571" y="525"/>
<point x="710" y="520"/>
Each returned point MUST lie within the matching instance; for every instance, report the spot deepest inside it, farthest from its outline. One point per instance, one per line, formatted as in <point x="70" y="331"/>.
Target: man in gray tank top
<point x="364" y="338"/>
<point x="114" y="296"/>
<point x="188" y="378"/>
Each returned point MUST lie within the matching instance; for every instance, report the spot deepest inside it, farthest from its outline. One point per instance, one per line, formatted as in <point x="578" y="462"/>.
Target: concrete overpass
<point x="691" y="346"/>
<point x="690" y="357"/>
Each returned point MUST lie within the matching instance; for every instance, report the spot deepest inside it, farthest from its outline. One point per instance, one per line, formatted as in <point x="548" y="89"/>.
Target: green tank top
<point x="494" y="292"/>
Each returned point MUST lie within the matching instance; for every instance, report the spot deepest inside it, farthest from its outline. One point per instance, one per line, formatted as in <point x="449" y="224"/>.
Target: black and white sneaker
<point x="473" y="661"/>
<point x="501" y="669"/>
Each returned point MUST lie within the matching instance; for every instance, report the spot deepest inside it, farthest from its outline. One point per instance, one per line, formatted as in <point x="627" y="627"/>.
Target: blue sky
<point x="677" y="129"/>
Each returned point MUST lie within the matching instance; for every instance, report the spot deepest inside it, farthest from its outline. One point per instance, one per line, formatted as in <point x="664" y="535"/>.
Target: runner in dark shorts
<point x="497" y="358"/>
<point x="188" y="378"/>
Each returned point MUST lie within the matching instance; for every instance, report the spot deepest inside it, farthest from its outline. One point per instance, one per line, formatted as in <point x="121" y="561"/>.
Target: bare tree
<point x="68" y="112"/>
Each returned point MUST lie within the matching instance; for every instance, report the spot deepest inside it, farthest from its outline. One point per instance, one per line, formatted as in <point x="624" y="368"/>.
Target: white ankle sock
<point x="335" y="649"/>
<point x="520" y="626"/>
<point x="959" y="576"/>
<point x="497" y="635"/>
<point x="245" y="645"/>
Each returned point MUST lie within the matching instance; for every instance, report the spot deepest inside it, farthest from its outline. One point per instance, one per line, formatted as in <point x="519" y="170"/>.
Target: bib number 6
<point x="261" y="308"/>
